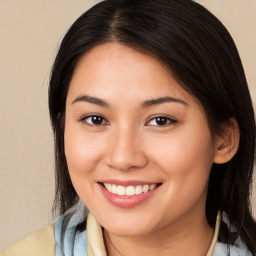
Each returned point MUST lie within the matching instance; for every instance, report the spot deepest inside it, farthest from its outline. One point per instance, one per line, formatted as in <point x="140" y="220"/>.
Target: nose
<point x="125" y="150"/>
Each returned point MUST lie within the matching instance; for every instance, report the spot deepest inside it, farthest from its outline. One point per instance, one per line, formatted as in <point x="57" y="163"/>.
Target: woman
<point x="154" y="132"/>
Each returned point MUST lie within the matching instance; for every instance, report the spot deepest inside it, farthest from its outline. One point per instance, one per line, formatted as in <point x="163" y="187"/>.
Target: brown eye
<point x="94" y="120"/>
<point x="161" y="121"/>
<point x="97" y="120"/>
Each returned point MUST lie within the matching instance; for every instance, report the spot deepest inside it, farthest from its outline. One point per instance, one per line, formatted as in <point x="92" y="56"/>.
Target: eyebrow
<point x="145" y="104"/>
<point x="161" y="100"/>
<point x="91" y="99"/>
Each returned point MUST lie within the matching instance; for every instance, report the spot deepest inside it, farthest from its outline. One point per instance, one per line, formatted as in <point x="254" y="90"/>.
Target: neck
<point x="189" y="236"/>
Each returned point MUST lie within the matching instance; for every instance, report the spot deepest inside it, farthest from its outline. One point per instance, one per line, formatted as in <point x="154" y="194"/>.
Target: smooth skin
<point x="117" y="128"/>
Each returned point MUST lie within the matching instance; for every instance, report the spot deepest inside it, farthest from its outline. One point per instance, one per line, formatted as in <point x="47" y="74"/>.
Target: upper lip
<point x="126" y="183"/>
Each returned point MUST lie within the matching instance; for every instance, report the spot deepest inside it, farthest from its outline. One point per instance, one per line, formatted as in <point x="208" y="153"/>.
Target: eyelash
<point x="160" y="118"/>
<point x="166" y="119"/>
<point x="84" y="119"/>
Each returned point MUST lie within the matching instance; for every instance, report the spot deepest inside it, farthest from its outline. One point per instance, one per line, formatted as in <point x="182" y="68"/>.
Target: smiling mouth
<point x="129" y="190"/>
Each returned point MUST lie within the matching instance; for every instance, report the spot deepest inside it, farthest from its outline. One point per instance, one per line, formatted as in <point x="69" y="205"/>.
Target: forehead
<point x="117" y="73"/>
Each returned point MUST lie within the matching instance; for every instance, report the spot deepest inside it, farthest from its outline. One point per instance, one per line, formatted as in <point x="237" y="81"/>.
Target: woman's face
<point x="138" y="147"/>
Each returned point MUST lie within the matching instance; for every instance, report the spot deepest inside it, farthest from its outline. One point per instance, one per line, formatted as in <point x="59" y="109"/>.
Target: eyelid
<point x="170" y="119"/>
<point x="83" y="119"/>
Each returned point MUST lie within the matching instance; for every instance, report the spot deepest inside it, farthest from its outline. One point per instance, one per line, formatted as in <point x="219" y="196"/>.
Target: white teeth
<point x="152" y="186"/>
<point x="138" y="190"/>
<point x="113" y="189"/>
<point x="145" y="188"/>
<point x="120" y="191"/>
<point x="130" y="190"/>
<point x="109" y="187"/>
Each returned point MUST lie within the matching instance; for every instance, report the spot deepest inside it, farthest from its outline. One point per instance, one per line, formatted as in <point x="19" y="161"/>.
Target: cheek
<point x="180" y="152"/>
<point x="185" y="157"/>
<point x="186" y="162"/>
<point x="83" y="152"/>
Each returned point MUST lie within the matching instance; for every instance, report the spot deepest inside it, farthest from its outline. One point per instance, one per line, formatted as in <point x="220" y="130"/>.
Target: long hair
<point x="200" y="53"/>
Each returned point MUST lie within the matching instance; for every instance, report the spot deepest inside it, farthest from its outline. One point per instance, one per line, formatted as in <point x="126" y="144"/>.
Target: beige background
<point x="30" y="32"/>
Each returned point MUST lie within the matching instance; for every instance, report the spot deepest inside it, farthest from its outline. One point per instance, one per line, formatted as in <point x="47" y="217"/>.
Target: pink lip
<point x="126" y="201"/>
<point x="127" y="183"/>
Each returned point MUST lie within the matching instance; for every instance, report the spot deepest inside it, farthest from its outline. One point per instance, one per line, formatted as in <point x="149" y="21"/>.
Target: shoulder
<point x="66" y="236"/>
<point x="40" y="243"/>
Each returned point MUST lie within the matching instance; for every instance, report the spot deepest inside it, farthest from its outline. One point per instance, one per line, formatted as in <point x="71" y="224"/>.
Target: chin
<point x="128" y="231"/>
<point x="124" y="227"/>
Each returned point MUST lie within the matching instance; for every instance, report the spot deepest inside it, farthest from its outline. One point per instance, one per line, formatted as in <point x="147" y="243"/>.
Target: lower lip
<point x="126" y="201"/>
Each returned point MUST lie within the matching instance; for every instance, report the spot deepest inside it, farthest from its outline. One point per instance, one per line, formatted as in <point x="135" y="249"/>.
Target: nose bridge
<point x="125" y="151"/>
